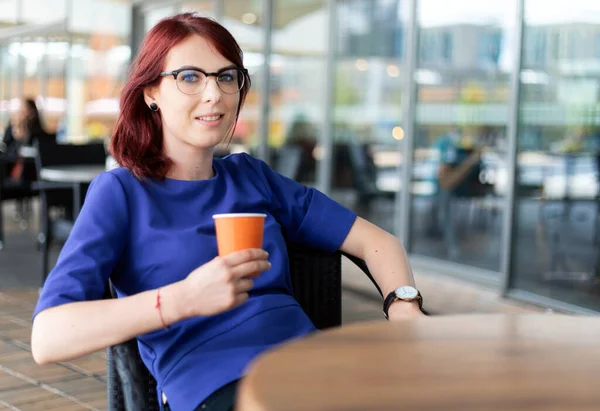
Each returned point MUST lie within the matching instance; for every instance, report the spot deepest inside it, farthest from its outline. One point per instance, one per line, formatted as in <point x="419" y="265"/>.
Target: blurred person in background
<point x="303" y="134"/>
<point x="25" y="126"/>
<point x="24" y="129"/>
<point x="459" y="164"/>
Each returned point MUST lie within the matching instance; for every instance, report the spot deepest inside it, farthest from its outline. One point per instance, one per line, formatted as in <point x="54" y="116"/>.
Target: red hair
<point x="136" y="142"/>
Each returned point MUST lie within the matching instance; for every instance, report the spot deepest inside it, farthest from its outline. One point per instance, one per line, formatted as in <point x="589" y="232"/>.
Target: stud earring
<point x="153" y="106"/>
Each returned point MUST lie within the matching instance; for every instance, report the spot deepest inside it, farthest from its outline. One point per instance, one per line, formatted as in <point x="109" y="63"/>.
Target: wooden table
<point x="446" y="363"/>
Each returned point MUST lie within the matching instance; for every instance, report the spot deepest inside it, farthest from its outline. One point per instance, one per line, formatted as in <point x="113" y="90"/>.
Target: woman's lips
<point x="212" y="120"/>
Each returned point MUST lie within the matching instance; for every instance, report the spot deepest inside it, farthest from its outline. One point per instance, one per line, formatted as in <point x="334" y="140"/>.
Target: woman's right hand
<point x="223" y="283"/>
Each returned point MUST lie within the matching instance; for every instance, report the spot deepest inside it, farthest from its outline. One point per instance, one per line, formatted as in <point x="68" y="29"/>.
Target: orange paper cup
<point x="240" y="231"/>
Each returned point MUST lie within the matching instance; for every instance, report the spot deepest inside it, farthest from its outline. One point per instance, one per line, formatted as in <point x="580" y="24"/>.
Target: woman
<point x="27" y="125"/>
<point x="148" y="225"/>
<point x="25" y="128"/>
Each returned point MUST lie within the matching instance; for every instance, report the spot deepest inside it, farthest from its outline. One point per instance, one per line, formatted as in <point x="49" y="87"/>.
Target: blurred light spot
<point x="393" y="70"/>
<point x="249" y="18"/>
<point x="398" y="133"/>
<point x="362" y="65"/>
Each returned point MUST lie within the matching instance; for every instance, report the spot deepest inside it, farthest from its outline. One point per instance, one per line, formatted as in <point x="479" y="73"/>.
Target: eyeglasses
<point x="192" y="80"/>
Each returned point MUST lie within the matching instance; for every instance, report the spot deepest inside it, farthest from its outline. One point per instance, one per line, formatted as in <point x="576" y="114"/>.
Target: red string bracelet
<point x="162" y="320"/>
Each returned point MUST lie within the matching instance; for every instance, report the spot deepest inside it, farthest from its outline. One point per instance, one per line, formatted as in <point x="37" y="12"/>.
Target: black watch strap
<point x="391" y="297"/>
<point x="387" y="302"/>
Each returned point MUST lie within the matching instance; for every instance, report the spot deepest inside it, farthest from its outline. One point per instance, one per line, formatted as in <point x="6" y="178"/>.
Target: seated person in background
<point x="457" y="176"/>
<point x="303" y="135"/>
<point x="459" y="166"/>
<point x="148" y="226"/>
<point x="24" y="129"/>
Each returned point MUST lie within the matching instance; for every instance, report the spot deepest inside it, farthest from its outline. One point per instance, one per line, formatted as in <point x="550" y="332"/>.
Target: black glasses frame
<point x="216" y="75"/>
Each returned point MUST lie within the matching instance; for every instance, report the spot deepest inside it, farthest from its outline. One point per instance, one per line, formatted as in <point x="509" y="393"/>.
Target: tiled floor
<point x="24" y="385"/>
<point x="81" y="384"/>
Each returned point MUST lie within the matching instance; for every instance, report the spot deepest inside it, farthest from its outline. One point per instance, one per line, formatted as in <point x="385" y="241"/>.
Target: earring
<point x="153" y="106"/>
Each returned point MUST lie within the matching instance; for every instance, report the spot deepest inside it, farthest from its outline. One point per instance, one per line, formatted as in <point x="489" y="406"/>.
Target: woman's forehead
<point x="195" y="51"/>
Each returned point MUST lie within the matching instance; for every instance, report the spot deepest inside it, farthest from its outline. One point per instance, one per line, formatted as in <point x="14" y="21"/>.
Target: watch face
<point x="406" y="292"/>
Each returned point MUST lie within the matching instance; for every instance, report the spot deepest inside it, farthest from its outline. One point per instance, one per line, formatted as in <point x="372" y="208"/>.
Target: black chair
<point x="19" y="190"/>
<point x="364" y="176"/>
<point x="55" y="154"/>
<point x="52" y="154"/>
<point x="316" y="280"/>
<point x="58" y="198"/>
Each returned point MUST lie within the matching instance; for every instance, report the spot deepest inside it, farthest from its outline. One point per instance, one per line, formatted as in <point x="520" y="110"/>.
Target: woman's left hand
<point x="401" y="310"/>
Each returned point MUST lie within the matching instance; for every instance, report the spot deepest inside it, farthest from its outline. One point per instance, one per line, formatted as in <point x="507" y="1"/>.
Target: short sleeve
<point x="92" y="249"/>
<point x="307" y="215"/>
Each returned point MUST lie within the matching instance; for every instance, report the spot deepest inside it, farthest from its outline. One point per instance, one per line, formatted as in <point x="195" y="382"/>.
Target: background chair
<point x="19" y="190"/>
<point x="316" y="280"/>
<point x="58" y="198"/>
<point x="364" y="174"/>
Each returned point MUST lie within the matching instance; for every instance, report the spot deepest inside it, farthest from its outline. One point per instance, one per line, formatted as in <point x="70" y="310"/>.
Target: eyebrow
<point x="231" y="66"/>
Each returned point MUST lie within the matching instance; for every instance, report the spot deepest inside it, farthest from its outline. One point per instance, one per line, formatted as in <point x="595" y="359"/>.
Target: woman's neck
<point x="192" y="165"/>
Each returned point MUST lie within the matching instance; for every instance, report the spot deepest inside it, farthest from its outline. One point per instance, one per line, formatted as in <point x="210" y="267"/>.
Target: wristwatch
<point x="403" y="293"/>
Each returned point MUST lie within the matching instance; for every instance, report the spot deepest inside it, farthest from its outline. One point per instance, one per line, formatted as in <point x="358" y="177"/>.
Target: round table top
<point x="450" y="363"/>
<point x="72" y="174"/>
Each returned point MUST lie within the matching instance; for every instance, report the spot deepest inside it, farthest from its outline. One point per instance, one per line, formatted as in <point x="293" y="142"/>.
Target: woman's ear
<point x="150" y="94"/>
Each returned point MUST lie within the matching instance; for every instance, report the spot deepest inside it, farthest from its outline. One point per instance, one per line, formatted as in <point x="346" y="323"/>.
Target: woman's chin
<point x="207" y="141"/>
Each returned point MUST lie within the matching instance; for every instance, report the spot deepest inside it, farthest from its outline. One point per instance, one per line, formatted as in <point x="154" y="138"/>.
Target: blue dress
<point x="148" y="234"/>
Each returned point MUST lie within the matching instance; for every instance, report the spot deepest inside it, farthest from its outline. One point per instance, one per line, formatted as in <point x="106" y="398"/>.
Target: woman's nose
<point x="212" y="92"/>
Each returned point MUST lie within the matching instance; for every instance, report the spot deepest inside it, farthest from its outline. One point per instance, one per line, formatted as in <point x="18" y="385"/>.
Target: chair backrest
<point x="364" y="170"/>
<point x="53" y="154"/>
<point x="316" y="281"/>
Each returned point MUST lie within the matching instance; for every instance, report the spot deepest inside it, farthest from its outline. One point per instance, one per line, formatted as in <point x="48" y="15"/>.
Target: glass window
<point x="203" y="7"/>
<point x="34" y="66"/>
<point x="245" y="23"/>
<point x="42" y="11"/>
<point x="101" y="16"/>
<point x="368" y="107"/>
<point x="298" y="86"/>
<point x="10" y="72"/>
<point x="155" y="14"/>
<point x="8" y="12"/>
<point x="10" y="81"/>
<point x="447" y="43"/>
<point x="33" y="50"/>
<point x="97" y="67"/>
<point x="460" y="130"/>
<point x="54" y="91"/>
<point x="557" y="209"/>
